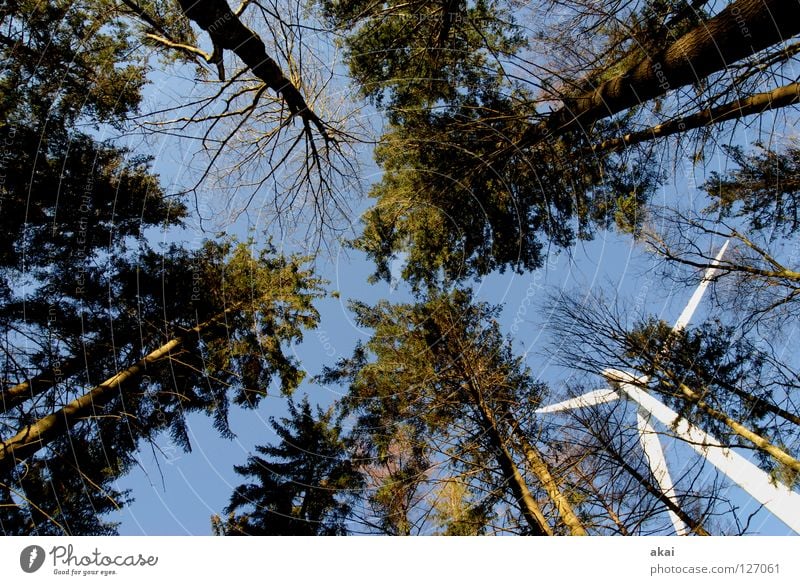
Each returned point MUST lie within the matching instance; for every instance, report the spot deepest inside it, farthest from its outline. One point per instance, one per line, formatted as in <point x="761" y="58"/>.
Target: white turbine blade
<point x="775" y="497"/>
<point x="686" y="316"/>
<point x="658" y="466"/>
<point x="589" y="399"/>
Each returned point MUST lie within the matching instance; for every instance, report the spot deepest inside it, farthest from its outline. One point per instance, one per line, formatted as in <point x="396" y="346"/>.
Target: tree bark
<point x="754" y="104"/>
<point x="39" y="434"/>
<point x="760" y="442"/>
<point x="15" y="395"/>
<point x="540" y="469"/>
<point x="228" y="32"/>
<point x="765" y="405"/>
<point x="530" y="509"/>
<point x="740" y="30"/>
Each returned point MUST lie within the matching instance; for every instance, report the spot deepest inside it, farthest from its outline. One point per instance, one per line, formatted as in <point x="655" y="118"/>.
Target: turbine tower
<point x="774" y="496"/>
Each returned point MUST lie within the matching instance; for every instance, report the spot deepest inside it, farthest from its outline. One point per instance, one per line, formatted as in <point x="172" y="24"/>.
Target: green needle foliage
<point x="410" y="55"/>
<point x="85" y="298"/>
<point x="66" y="61"/>
<point x="443" y="419"/>
<point x="227" y="347"/>
<point x="764" y="189"/>
<point x="504" y="132"/>
<point x="302" y="486"/>
<point x="460" y="205"/>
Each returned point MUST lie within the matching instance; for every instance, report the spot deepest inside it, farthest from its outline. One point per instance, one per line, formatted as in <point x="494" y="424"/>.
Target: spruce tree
<point x="302" y="486"/>
<point x="439" y="397"/>
<point x="496" y="152"/>
<point x="108" y="342"/>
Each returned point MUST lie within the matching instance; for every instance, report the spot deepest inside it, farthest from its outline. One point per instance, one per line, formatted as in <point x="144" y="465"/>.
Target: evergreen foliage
<point x="85" y="296"/>
<point x="302" y="486"/>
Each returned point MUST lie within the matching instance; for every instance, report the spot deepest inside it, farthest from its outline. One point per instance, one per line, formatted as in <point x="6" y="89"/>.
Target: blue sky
<point x="177" y="492"/>
<point x="196" y="485"/>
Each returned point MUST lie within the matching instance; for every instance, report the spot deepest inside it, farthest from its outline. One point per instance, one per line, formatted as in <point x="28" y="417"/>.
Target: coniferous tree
<point x="69" y="207"/>
<point x="106" y="342"/>
<point x="301" y="486"/>
<point x="438" y="380"/>
<point x="754" y="207"/>
<point x="763" y="189"/>
<point x="723" y="382"/>
<point x="493" y="152"/>
<point x="225" y="348"/>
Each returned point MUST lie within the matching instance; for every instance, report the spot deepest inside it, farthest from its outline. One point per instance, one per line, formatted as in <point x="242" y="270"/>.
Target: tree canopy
<point x="108" y="341"/>
<point x="303" y="486"/>
<point x="505" y="135"/>
<point x="514" y="153"/>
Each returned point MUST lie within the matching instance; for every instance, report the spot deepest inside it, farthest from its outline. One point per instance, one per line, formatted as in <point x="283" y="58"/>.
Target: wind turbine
<point x="774" y="496"/>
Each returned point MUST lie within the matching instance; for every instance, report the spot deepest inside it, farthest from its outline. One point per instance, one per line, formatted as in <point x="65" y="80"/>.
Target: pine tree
<point x="437" y="385"/>
<point x="70" y="209"/>
<point x="302" y="486"/>
<point x="493" y="154"/>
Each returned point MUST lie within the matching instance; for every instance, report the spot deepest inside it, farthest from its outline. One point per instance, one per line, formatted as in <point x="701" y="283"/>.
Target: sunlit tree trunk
<point x="530" y="509"/>
<point x="740" y="30"/>
<point x="37" y="435"/>
<point x="741" y="108"/>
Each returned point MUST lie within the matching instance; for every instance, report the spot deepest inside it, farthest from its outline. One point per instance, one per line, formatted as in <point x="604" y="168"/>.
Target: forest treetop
<point x="507" y="133"/>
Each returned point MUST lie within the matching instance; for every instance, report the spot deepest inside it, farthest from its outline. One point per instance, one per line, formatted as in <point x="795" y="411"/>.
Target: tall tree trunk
<point x="740" y="30"/>
<point x="42" y="382"/>
<point x="540" y="469"/>
<point x="755" y="104"/>
<point x="530" y="509"/>
<point x="762" y="404"/>
<point x="738" y="428"/>
<point x="536" y="464"/>
<point x="39" y="434"/>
